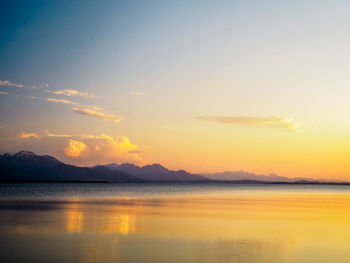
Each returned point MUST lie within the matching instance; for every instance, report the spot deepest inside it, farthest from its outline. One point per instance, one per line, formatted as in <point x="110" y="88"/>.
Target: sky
<point x="205" y="86"/>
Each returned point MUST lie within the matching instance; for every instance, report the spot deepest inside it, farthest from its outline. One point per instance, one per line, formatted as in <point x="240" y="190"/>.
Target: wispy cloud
<point x="9" y="84"/>
<point x="91" y="110"/>
<point x="97" y="108"/>
<point x="32" y="97"/>
<point x="256" y="122"/>
<point x="136" y="93"/>
<point x="71" y="92"/>
<point x="97" y="114"/>
<point x="96" y="137"/>
<point x="49" y="134"/>
<point x="67" y="102"/>
<point x="46" y="133"/>
<point x="74" y="148"/>
<point x="61" y="101"/>
<point x="25" y="135"/>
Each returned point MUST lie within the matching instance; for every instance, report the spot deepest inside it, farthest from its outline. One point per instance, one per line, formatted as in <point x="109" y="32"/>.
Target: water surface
<point x="73" y="222"/>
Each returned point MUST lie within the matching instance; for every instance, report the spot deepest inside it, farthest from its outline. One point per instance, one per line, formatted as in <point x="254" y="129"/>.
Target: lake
<point x="131" y="223"/>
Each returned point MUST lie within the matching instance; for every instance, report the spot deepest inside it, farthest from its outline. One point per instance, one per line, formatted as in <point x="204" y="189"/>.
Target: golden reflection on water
<point x="113" y="220"/>
<point x="74" y="218"/>
<point x="282" y="227"/>
<point x="127" y="224"/>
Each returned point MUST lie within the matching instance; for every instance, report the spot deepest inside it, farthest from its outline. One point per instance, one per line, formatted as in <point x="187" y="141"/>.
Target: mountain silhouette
<point x="27" y="166"/>
<point x="242" y="175"/>
<point x="155" y="172"/>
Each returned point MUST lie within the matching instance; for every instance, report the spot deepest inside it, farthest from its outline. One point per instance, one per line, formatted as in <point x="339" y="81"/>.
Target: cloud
<point x="48" y="134"/>
<point x="92" y="149"/>
<point x="31" y="97"/>
<point x="25" y="135"/>
<point x="61" y="101"/>
<point x="114" y="149"/>
<point x="106" y="149"/>
<point x="74" y="148"/>
<point x="96" y="137"/>
<point x="256" y="122"/>
<point x="9" y="84"/>
<point x="97" y="114"/>
<point x="94" y="108"/>
<point x="135" y="93"/>
<point x="90" y="110"/>
<point x="71" y="92"/>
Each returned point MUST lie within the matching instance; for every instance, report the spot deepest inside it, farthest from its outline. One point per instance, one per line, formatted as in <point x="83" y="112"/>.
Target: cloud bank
<point x="256" y="122"/>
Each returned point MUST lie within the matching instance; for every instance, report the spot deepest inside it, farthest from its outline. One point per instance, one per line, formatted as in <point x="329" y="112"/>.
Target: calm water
<point x="174" y="223"/>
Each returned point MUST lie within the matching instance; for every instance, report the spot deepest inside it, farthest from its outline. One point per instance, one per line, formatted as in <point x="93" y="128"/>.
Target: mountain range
<point x="242" y="175"/>
<point x="154" y="172"/>
<point x="27" y="166"/>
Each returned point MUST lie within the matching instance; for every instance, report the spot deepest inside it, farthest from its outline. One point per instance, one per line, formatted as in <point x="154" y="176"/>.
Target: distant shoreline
<point x="251" y="182"/>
